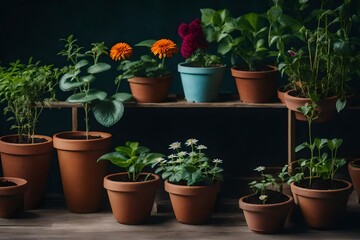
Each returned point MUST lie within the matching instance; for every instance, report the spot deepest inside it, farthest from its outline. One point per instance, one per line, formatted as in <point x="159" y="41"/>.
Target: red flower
<point x="183" y="30"/>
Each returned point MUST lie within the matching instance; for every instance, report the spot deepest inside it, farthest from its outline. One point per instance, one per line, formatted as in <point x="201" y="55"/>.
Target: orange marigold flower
<point x="121" y="51"/>
<point x="164" y="48"/>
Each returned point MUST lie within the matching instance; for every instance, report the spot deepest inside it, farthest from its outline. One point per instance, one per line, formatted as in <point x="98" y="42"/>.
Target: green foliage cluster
<point x="80" y="74"/>
<point x="132" y="157"/>
<point x="191" y="168"/>
<point x="26" y="88"/>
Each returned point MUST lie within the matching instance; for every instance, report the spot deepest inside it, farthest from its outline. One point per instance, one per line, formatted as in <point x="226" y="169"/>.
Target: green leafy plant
<point x="268" y="181"/>
<point x="80" y="74"/>
<point x="132" y="157"/>
<point x="27" y="88"/>
<point x="191" y="168"/>
<point x="244" y="37"/>
<point x="146" y="66"/>
<point x="321" y="164"/>
<point x="318" y="48"/>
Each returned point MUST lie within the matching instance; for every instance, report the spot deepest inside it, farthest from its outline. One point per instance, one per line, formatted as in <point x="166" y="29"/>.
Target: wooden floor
<point x="53" y="221"/>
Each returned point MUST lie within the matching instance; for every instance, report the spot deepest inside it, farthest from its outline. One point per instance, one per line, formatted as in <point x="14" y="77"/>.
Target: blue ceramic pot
<point x="201" y="84"/>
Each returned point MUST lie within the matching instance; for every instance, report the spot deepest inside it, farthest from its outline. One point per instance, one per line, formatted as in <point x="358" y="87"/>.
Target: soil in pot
<point x="6" y="183"/>
<point x="273" y="197"/>
<point x="321" y="184"/>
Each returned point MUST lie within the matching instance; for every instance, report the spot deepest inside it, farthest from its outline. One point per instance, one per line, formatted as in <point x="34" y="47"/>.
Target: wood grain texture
<point x="53" y="221"/>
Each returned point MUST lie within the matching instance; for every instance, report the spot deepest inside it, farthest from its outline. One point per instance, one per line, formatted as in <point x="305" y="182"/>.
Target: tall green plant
<point x="80" y="74"/>
<point x="26" y="88"/>
<point x="321" y="163"/>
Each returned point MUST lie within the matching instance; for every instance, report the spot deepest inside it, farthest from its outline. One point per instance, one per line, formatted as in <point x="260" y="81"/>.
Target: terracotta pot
<point x="30" y="162"/>
<point x="323" y="209"/>
<point x="192" y="204"/>
<point x="355" y="176"/>
<point x="256" y="86"/>
<point x="266" y="218"/>
<point x="326" y="107"/>
<point x="81" y="176"/>
<point x="149" y="89"/>
<point x="12" y="197"/>
<point x="131" y="202"/>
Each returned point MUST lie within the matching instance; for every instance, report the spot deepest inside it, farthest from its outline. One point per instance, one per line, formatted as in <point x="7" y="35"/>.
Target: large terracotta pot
<point x="12" y="197"/>
<point x="150" y="89"/>
<point x="266" y="218"/>
<point x="256" y="86"/>
<point x="354" y="171"/>
<point x="201" y="84"/>
<point x="192" y="204"/>
<point x="81" y="176"/>
<point x="131" y="202"/>
<point x="326" y="107"/>
<point x="323" y="209"/>
<point x="30" y="162"/>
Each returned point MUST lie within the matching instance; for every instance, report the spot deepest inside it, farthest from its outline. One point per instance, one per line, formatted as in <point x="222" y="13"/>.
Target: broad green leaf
<point x="87" y="78"/>
<point x="124" y="97"/>
<point x="81" y="64"/>
<point x="108" y="112"/>
<point x="146" y="43"/>
<point x="68" y="81"/>
<point x="87" y="97"/>
<point x="98" y="68"/>
<point x="124" y="150"/>
<point x="207" y="16"/>
<point x="340" y="104"/>
<point x="116" y="158"/>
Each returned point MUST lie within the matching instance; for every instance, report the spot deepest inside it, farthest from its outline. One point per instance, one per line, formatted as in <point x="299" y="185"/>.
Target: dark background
<point x="242" y="138"/>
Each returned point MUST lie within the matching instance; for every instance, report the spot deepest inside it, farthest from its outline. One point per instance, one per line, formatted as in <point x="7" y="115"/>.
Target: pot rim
<point x="129" y="186"/>
<point x="245" y="204"/>
<point x="347" y="188"/>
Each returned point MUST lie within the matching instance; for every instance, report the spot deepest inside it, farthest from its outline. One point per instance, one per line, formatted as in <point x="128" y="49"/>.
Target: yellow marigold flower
<point x="164" y="48"/>
<point x="121" y="51"/>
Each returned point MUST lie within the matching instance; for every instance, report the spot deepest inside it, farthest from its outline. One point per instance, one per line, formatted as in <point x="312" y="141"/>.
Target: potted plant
<point x="12" y="191"/>
<point x="149" y="78"/>
<point x="266" y="210"/>
<point x="78" y="150"/>
<point x="354" y="171"/>
<point x="192" y="180"/>
<point x="201" y="73"/>
<point x="26" y="88"/>
<point x="245" y="39"/>
<point x="132" y="193"/>
<point x="318" y="52"/>
<point x="322" y="198"/>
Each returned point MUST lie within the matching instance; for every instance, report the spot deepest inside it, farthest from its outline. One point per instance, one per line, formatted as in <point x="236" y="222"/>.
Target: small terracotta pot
<point x="131" y="202"/>
<point x="256" y="86"/>
<point x="322" y="209"/>
<point x="192" y="204"/>
<point x="149" y="89"/>
<point x="266" y="218"/>
<point x="12" y="197"/>
<point x="30" y="162"/>
<point x="354" y="173"/>
<point x="326" y="107"/>
<point x="82" y="177"/>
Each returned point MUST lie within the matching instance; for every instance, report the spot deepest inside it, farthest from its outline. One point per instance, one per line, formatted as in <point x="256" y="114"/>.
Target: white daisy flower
<point x="160" y="159"/>
<point x="171" y="156"/>
<point x="175" y="145"/>
<point x="263" y="197"/>
<point x="201" y="147"/>
<point x="191" y="141"/>
<point x="217" y="160"/>
<point x="260" y="169"/>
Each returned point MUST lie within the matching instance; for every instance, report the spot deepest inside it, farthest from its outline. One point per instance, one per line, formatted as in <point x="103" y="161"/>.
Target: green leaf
<point x="207" y="16"/>
<point x="98" y="68"/>
<point x="87" y="78"/>
<point x="146" y="43"/>
<point x="68" y="81"/>
<point x="116" y="158"/>
<point x="124" y="97"/>
<point x="81" y="64"/>
<point x="340" y="104"/>
<point x="108" y="112"/>
<point x="124" y="150"/>
<point x="91" y="95"/>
